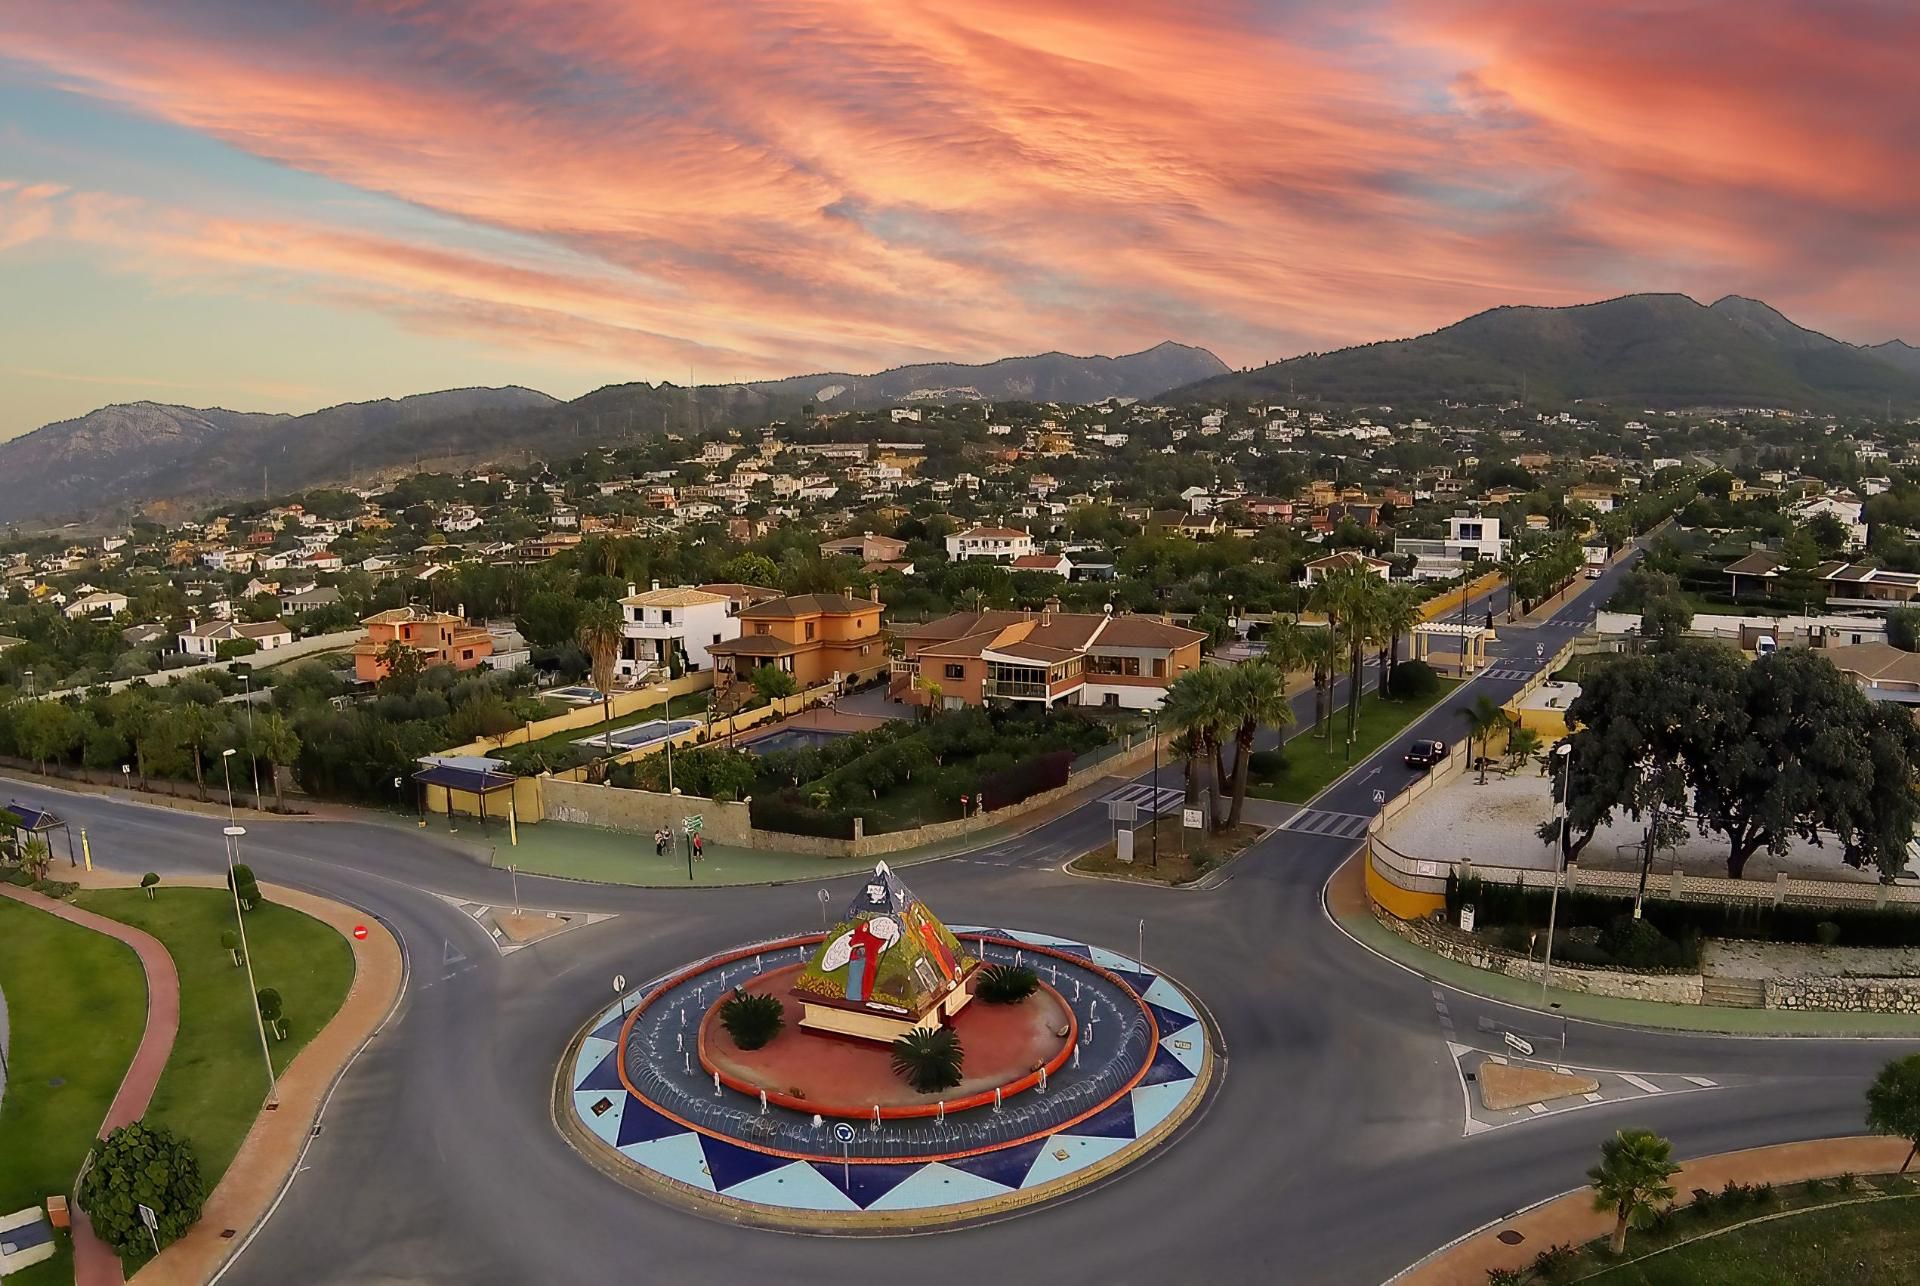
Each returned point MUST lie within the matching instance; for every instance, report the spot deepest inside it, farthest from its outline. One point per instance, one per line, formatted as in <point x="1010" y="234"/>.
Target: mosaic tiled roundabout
<point x="641" y="1105"/>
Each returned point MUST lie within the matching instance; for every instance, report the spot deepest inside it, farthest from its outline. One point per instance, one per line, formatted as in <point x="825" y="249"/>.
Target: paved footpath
<point x="94" y="1263"/>
<point x="1571" y="1219"/>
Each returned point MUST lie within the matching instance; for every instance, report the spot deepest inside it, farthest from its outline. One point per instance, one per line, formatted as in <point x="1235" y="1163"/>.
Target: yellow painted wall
<point x="1400" y="902"/>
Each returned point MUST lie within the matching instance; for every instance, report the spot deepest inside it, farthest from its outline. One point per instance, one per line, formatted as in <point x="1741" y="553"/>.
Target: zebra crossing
<point x="1151" y="800"/>
<point x="1318" y="821"/>
<point x="1507" y="673"/>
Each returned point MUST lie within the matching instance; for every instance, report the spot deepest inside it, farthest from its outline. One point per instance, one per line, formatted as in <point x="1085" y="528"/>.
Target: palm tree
<point x="273" y="739"/>
<point x="600" y="636"/>
<point x="1484" y="718"/>
<point x="1399" y="612"/>
<point x="200" y="727"/>
<point x="1200" y="704"/>
<point x="1353" y="595"/>
<point x="1631" y="1180"/>
<point x="1258" y="689"/>
<point x="930" y="1061"/>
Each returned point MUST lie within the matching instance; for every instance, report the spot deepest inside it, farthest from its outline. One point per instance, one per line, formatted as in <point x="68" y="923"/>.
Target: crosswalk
<point x="1151" y="800"/>
<point x="1509" y="674"/>
<point x="1318" y="821"/>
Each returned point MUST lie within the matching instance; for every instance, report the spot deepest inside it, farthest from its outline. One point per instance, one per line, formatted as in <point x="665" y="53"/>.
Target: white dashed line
<point x="1640" y="1083"/>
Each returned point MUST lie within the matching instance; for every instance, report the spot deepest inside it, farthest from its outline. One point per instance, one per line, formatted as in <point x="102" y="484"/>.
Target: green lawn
<point x="1313" y="764"/>
<point x="1871" y="1244"/>
<point x="214" y="1083"/>
<point x="76" y="1004"/>
<point x="692" y="706"/>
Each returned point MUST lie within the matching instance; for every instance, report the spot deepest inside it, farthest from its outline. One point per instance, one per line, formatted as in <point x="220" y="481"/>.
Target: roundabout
<point x="1100" y="1063"/>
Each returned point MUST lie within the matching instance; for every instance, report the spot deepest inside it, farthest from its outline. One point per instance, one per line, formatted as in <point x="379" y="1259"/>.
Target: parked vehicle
<point x="1425" y="754"/>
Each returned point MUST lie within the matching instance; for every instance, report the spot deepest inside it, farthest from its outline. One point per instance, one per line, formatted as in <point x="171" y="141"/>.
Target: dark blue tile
<point x="1114" y="1122"/>
<point x="641" y="1124"/>
<point x="866" y="1184"/>
<point x="610" y="1029"/>
<point x="1164" y="1068"/>
<point x="604" y="1076"/>
<point x="1170" y="1021"/>
<point x="1008" y="1166"/>
<point x="728" y="1164"/>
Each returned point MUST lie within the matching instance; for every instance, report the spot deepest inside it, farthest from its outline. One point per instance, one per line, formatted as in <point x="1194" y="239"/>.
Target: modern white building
<point x="996" y="544"/>
<point x="1469" y="537"/>
<point x="203" y="638"/>
<point x="662" y="621"/>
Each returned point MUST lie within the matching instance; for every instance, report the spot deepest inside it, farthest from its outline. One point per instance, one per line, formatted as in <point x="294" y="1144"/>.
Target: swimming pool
<point x="578" y="695"/>
<point x="793" y="739"/>
<point x="635" y="735"/>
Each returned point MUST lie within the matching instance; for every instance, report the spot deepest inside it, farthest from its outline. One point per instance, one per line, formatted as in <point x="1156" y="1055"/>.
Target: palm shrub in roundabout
<point x="752" y="1019"/>
<point x="141" y="1165"/>
<point x="930" y="1061"/>
<point x="1006" y="984"/>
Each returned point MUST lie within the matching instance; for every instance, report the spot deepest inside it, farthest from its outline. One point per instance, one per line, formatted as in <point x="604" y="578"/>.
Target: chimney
<point x="656" y="585"/>
<point x="1053" y="605"/>
<point x="630" y="589"/>
<point x="461" y="611"/>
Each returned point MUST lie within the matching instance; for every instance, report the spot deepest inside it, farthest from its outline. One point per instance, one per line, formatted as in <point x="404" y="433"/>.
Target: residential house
<point x="1054" y="564"/>
<point x="867" y="547"/>
<point x="1318" y="568"/>
<point x="1602" y="499"/>
<point x="306" y="600"/>
<point x="203" y="638"/>
<point x="817" y="638"/>
<point x="662" y="623"/>
<point x="1882" y="671"/>
<point x="99" y="605"/>
<point x="994" y="544"/>
<point x="1052" y="658"/>
<point x="441" y="638"/>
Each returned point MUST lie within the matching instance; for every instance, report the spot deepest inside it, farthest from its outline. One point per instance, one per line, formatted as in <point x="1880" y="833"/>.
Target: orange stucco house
<point x="441" y="638"/>
<point x="813" y="637"/>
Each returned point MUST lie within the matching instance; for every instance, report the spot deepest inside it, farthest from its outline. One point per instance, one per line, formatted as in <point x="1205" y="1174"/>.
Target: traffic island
<point x="1180" y="856"/>
<point x="816" y="1127"/>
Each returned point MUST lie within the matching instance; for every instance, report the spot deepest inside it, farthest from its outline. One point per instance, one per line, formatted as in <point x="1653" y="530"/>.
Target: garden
<point x="896" y="776"/>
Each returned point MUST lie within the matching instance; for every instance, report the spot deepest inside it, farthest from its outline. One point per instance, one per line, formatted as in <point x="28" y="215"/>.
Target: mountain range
<point x="1651" y="350"/>
<point x="136" y="454"/>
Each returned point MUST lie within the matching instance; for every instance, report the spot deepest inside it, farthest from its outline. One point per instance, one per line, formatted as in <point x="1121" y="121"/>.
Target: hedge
<point x="787" y="812"/>
<point x="1028" y="778"/>
<point x="1501" y="904"/>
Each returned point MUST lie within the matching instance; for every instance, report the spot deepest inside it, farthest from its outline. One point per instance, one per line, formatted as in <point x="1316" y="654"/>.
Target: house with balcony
<point x="995" y="544"/>
<point x="441" y="638"/>
<point x="1470" y="538"/>
<point x="204" y="638"/>
<point x="817" y="638"/>
<point x="662" y="623"/>
<point x="1318" y="568"/>
<point x="1050" y="658"/>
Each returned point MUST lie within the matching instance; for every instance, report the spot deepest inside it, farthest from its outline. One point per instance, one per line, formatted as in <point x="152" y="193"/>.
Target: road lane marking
<point x="1640" y="1083"/>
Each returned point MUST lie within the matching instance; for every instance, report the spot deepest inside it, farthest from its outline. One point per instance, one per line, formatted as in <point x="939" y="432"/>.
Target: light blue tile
<point x="1153" y="1104"/>
<point x="1042" y="939"/>
<point x="936" y="1184"/>
<point x="794" y="1187"/>
<point x="1194" y="1037"/>
<point x="1080" y="1153"/>
<point x="1167" y="996"/>
<point x="1114" y="960"/>
<point x="677" y="1157"/>
<point x="592" y="1050"/>
<point x="607" y="1124"/>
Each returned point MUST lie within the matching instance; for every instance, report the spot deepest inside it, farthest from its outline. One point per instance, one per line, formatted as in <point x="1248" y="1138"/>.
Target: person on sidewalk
<point x="699" y="846"/>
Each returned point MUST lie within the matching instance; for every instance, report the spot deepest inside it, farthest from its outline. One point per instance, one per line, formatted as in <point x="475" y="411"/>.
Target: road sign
<point x="1379" y="796"/>
<point x="359" y="933"/>
<point x="843" y="1132"/>
<point x="1123" y="810"/>
<point x="1191" y="819"/>
<point x="693" y="825"/>
<point x="1520" y="1043"/>
<point x="148" y="1218"/>
<point x="619" y="983"/>
<point x="1539" y="650"/>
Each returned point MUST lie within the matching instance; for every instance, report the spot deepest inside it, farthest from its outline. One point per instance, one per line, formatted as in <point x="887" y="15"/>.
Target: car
<point x="1425" y="754"/>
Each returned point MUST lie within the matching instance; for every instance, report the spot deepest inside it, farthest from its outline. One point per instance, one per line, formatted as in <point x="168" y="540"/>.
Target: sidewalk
<point x="94" y="1263"/>
<point x="264" y="1165"/>
<point x="1571" y="1219"/>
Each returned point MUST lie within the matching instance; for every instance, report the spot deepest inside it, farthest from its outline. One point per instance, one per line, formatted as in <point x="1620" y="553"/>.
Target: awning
<point x="478" y="781"/>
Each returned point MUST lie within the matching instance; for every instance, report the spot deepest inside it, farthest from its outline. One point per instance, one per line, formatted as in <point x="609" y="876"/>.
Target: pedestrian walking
<point x="699" y="845"/>
<point x="660" y="843"/>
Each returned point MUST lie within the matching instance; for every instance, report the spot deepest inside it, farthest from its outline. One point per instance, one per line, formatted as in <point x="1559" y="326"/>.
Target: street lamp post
<point x="1564" y="753"/>
<point x="233" y="831"/>
<point x="246" y="686"/>
<point x="666" y="711"/>
<point x="1155" y="779"/>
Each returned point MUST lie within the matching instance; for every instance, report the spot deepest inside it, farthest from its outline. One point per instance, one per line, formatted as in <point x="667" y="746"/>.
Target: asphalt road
<point x="1333" y="1151"/>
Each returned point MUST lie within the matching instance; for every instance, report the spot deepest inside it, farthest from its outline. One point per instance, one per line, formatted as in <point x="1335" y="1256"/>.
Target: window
<point x="1111" y="699"/>
<point x="809" y="631"/>
<point x="956" y="671"/>
<point x="666" y="616"/>
<point x="763" y="628"/>
<point x="1159" y="667"/>
<point x="716" y="638"/>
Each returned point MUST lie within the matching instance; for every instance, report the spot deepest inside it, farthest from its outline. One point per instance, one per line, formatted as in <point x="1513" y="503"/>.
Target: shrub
<point x="1006" y="984"/>
<point x="1412" y="680"/>
<point x="1027" y="778"/>
<point x="930" y="1061"/>
<point x="272" y="1012"/>
<point x="230" y="943"/>
<point x="786" y="811"/>
<point x="1501" y="1276"/>
<point x="1826" y="933"/>
<point x="1848" y="1182"/>
<point x="752" y="1019"/>
<point x="240" y="879"/>
<point x="148" y="880"/>
<point x="1267" y="765"/>
<point x="141" y="1165"/>
<point x="1554" y="1262"/>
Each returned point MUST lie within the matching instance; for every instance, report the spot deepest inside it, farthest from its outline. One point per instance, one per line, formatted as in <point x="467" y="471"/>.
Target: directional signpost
<point x="691" y="826"/>
<point x="152" y="1221"/>
<point x="1520" y="1043"/>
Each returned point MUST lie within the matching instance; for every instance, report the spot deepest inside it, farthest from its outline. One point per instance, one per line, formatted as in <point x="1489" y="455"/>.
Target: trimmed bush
<point x="1006" y="984"/>
<point x="142" y="1165"/>
<point x="930" y="1061"/>
<point x="1412" y="680"/>
<point x="273" y="1012"/>
<point x="1826" y="933"/>
<point x="148" y="881"/>
<point x="753" y="1019"/>
<point x="787" y="811"/>
<point x="241" y="880"/>
<point x="1267" y="765"/>
<point x="1027" y="778"/>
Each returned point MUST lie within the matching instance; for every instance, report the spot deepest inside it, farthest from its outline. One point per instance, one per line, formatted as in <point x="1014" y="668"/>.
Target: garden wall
<point x="1848" y="995"/>
<point x="642" y="812"/>
<point x="1443" y="940"/>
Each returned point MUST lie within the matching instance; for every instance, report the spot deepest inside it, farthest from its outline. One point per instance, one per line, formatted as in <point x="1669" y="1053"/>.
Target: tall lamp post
<point x="233" y="832"/>
<point x="246" y="686"/>
<point x="666" y="711"/>
<point x="1155" y="796"/>
<point x="1564" y="753"/>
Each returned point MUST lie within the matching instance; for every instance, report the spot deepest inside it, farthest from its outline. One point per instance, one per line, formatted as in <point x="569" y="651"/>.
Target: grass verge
<point x="76" y="1005"/>
<point x="1313" y="764"/>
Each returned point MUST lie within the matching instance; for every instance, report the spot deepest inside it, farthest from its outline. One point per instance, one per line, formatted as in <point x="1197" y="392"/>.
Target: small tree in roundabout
<point x="1893" y="1103"/>
<point x="273" y="1012"/>
<point x="1631" y="1180"/>
<point x="752" y="1019"/>
<point x="930" y="1061"/>
<point x="1006" y="984"/>
<point x="141" y="1165"/>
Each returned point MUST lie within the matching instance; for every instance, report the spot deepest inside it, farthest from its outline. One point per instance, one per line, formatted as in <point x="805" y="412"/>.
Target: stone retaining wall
<point x="1849" y="995"/>
<point x="1450" y="944"/>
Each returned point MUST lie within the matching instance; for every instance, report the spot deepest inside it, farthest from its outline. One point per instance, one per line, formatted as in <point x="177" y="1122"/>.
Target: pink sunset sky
<point x="278" y="206"/>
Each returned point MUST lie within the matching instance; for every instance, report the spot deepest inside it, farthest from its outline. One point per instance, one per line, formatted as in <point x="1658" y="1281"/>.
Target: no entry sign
<point x="360" y="932"/>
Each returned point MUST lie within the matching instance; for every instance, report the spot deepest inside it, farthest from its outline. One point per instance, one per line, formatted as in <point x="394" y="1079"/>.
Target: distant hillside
<point x="1899" y="353"/>
<point x="138" y="454"/>
<point x="1639" y="350"/>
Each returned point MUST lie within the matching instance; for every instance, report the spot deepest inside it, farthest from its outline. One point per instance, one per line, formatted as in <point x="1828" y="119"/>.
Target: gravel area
<point x="1781" y="960"/>
<point x="1494" y="824"/>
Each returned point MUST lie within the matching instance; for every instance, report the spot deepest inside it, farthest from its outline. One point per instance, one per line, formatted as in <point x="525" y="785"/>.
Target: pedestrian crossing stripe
<point x="1151" y="799"/>
<point x="1315" y="821"/>
<point x="1509" y="674"/>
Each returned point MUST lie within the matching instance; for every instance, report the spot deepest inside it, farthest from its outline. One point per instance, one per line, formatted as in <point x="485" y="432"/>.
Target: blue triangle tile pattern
<point x="1165" y="1068"/>
<point x="610" y="1029"/>
<point x="866" y="1184"/>
<point x="1115" y="1122"/>
<point x="729" y="1164"/>
<point x="1169" y="1021"/>
<point x="640" y="1123"/>
<point x="604" y="1076"/>
<point x="1008" y="1166"/>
